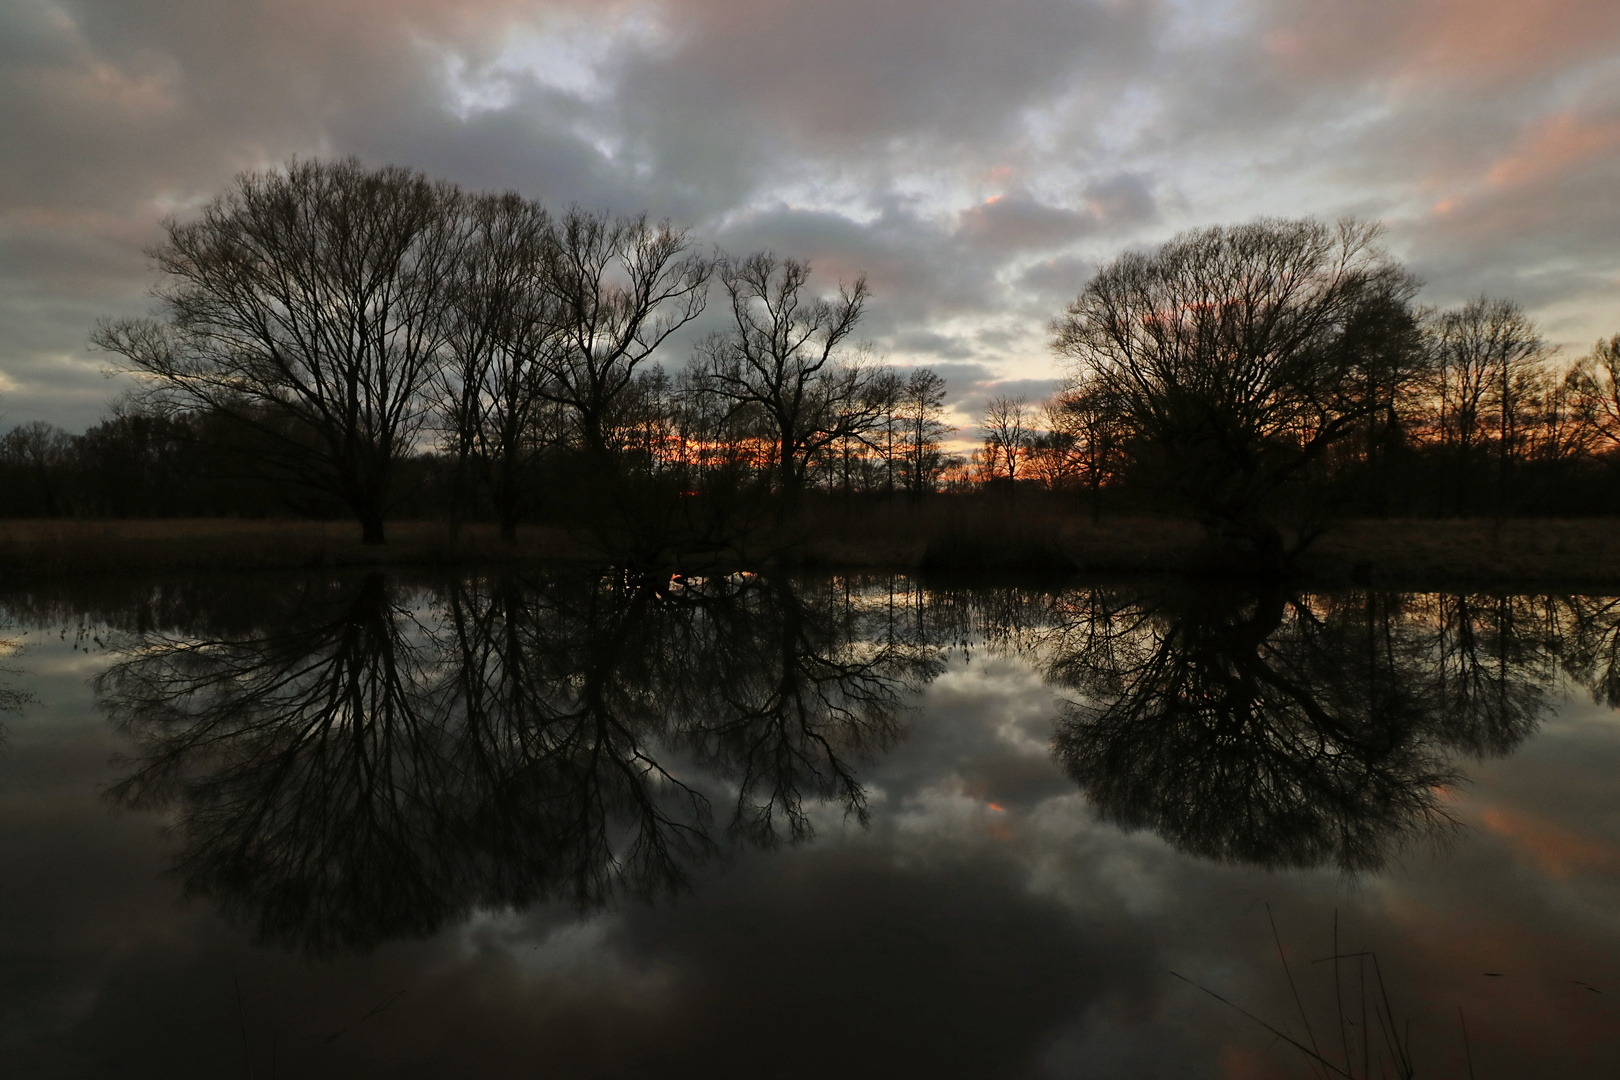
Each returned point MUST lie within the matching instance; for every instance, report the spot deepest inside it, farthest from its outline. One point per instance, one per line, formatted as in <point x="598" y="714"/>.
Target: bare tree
<point x="1057" y="448"/>
<point x="1596" y="382"/>
<point x="308" y="304"/>
<point x="886" y="391"/>
<point x="1007" y="431"/>
<point x="1230" y="356"/>
<point x="1096" y="425"/>
<point x="621" y="286"/>
<point x="1486" y="358"/>
<point x="921" y="411"/>
<point x="502" y="341"/>
<point x="782" y="358"/>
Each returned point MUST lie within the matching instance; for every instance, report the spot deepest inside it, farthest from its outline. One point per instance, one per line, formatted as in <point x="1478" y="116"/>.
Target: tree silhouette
<point x="309" y="305"/>
<point x="781" y="361"/>
<point x="1230" y="357"/>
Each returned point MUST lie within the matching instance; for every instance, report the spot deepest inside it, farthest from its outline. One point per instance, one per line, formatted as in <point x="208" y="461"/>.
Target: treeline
<point x="373" y="342"/>
<point x="1268" y="376"/>
<point x="142" y="462"/>
<point x="1478" y="417"/>
<point x="338" y="340"/>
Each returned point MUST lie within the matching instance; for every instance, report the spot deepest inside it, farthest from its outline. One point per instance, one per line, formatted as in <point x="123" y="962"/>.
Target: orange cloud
<point x="1552" y="147"/>
<point x="1494" y="38"/>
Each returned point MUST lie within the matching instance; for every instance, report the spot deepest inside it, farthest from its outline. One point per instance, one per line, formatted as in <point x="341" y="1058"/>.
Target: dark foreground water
<point x="582" y="825"/>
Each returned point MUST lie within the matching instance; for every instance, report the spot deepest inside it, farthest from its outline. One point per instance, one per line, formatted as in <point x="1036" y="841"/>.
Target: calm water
<point x="589" y="825"/>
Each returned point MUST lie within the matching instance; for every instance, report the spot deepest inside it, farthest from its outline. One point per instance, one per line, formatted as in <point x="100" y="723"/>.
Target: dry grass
<point x="1567" y="550"/>
<point x="74" y="547"/>
<point x="978" y="535"/>
<point x="946" y="535"/>
<point x="986" y="536"/>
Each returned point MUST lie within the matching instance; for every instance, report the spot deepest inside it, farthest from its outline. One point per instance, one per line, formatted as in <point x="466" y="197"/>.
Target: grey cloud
<point x="941" y="345"/>
<point x="1018" y="222"/>
<point x="851" y="70"/>
<point x="919" y="272"/>
<point x="1056" y="281"/>
<point x="961" y="382"/>
<point x="1033" y="391"/>
<point x="1122" y="200"/>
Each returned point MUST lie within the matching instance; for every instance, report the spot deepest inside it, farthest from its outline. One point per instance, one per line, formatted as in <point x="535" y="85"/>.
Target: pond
<point x="593" y="824"/>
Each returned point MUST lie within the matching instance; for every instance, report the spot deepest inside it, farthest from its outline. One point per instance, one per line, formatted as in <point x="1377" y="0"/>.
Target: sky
<point x="977" y="161"/>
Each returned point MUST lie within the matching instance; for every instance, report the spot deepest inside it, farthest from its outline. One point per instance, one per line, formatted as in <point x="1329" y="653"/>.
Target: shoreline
<point x="1581" y="553"/>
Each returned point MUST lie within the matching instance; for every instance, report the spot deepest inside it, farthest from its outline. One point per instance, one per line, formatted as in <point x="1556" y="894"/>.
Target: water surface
<point x="592" y="824"/>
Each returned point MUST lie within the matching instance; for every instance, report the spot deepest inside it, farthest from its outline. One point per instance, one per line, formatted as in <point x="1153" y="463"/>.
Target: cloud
<point x="1427" y="41"/>
<point x="848" y="74"/>
<point x="1018" y="222"/>
<point x="974" y="162"/>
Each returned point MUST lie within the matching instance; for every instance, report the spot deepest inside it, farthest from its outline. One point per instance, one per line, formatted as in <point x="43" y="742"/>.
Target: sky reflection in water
<point x="599" y="825"/>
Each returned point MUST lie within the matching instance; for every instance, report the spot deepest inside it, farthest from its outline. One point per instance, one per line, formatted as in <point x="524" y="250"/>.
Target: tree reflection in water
<point x="1287" y="730"/>
<point x="361" y="770"/>
<point x="372" y="761"/>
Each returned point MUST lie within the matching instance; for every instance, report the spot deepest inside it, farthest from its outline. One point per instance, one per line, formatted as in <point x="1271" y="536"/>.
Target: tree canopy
<point x="309" y="303"/>
<point x="1233" y="357"/>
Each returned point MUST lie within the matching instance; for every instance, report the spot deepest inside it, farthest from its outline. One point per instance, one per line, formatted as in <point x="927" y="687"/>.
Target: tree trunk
<point x="371" y="527"/>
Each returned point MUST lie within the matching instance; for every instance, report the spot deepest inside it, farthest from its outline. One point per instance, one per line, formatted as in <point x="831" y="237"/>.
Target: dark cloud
<point x="845" y="74"/>
<point x="1018" y="222"/>
<point x="1055" y="282"/>
<point x="950" y="347"/>
<point x="1121" y="201"/>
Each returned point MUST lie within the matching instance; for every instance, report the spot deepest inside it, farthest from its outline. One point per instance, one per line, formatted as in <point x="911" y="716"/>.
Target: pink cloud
<point x="1422" y="41"/>
<point x="1554" y="145"/>
<point x="1520" y="188"/>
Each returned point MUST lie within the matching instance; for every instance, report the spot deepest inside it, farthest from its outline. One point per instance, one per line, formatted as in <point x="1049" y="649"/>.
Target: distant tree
<point x="921" y="412"/>
<point x="1230" y="357"/>
<point x="134" y="462"/>
<point x="1595" y="381"/>
<point x="1557" y="428"/>
<point x="1486" y="358"/>
<point x="1387" y="390"/>
<point x="1086" y="413"/>
<point x="886" y="392"/>
<point x="43" y="453"/>
<point x="782" y="359"/>
<point x="308" y="304"/>
<point x="1056" y="454"/>
<point x="1007" y="430"/>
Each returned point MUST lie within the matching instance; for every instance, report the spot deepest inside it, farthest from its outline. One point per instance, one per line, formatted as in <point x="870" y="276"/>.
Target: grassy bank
<point x="59" y="547"/>
<point x="1582" y="551"/>
<point x="944" y="537"/>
